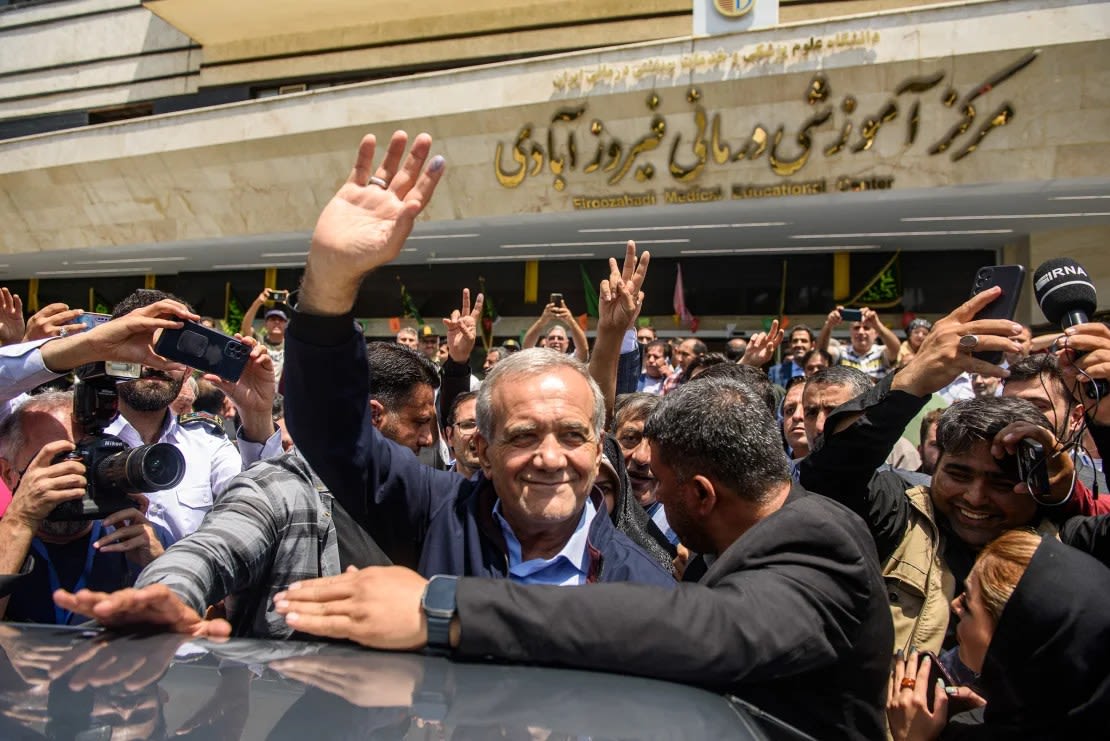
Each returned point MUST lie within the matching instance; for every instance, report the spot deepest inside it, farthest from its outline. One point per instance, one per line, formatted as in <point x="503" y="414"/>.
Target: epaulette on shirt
<point x="211" y="422"/>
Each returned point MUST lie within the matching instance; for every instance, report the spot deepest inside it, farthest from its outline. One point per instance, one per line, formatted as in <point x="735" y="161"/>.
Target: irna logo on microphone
<point x="1055" y="273"/>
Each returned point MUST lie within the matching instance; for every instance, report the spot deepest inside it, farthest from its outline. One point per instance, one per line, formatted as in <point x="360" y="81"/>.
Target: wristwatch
<point x="438" y="603"/>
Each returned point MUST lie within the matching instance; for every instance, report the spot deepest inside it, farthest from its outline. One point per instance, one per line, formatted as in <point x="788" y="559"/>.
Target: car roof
<point x="61" y="682"/>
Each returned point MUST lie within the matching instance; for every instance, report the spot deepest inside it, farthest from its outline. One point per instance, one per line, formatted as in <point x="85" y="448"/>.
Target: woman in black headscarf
<point x="1035" y="625"/>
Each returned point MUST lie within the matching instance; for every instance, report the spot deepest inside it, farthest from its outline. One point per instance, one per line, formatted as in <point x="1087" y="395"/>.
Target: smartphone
<point x="205" y="349"/>
<point x="557" y="299"/>
<point x="1011" y="278"/>
<point x="91" y="319"/>
<point x="279" y="297"/>
<point x="851" y="315"/>
<point x="937" y="671"/>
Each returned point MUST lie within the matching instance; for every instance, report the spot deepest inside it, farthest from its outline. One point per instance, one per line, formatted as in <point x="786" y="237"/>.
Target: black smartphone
<point x="937" y="671"/>
<point x="557" y="299"/>
<point x="279" y="297"/>
<point x="1011" y="278"/>
<point x="205" y="349"/>
<point x="851" y="315"/>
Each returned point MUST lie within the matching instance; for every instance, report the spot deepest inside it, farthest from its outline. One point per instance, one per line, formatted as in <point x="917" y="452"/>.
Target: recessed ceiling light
<point x="443" y="236"/>
<point x="303" y="253"/>
<point x="146" y="269"/>
<point x="534" y="245"/>
<point x="902" y="234"/>
<point x="758" y="250"/>
<point x="993" y="217"/>
<point x="501" y="258"/>
<point x="252" y="265"/>
<point x="125" y="260"/>
<point x="1077" y="198"/>
<point x="675" y="227"/>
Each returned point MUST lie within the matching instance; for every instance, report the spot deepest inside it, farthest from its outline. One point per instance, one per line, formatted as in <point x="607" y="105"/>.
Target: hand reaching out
<point x="762" y="345"/>
<point x="12" y="324"/>
<point x="621" y="297"/>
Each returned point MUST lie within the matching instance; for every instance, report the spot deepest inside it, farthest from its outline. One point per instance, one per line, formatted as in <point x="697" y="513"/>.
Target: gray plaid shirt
<point x="271" y="527"/>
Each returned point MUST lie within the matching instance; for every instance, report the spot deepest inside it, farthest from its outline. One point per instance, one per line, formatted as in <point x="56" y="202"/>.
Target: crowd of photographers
<point x="904" y="537"/>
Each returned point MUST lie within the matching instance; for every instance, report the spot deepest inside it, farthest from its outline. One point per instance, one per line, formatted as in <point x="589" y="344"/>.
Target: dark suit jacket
<point x="793" y="617"/>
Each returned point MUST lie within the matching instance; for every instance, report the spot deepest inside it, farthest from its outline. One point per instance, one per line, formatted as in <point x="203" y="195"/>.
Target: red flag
<point x="681" y="312"/>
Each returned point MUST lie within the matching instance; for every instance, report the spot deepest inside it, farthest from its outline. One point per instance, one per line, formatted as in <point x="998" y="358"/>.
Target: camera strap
<point x="62" y="616"/>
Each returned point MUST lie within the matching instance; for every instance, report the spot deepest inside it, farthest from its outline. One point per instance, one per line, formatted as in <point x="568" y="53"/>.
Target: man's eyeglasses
<point x="468" y="425"/>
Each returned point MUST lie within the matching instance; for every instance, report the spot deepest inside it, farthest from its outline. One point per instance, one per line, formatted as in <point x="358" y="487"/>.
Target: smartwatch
<point x="438" y="604"/>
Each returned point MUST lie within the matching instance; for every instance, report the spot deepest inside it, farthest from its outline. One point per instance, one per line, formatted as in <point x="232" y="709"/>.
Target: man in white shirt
<point x="210" y="458"/>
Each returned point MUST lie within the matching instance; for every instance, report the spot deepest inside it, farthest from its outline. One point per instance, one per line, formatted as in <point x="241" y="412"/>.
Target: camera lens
<point x="144" y="468"/>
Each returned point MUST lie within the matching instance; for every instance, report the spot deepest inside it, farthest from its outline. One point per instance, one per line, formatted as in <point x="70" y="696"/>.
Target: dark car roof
<point x="87" y="684"/>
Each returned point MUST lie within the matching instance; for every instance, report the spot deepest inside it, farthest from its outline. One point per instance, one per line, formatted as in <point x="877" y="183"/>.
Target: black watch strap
<point x="439" y="608"/>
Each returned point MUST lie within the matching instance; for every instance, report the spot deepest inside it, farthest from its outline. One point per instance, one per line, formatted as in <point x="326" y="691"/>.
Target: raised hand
<point x="129" y="338"/>
<point x="367" y="221"/>
<point x="253" y="394"/>
<point x="621" y="298"/>
<point x="946" y="351"/>
<point x="12" y="324"/>
<point x="52" y="320"/>
<point x="462" y="328"/>
<point x="1084" y="354"/>
<point x="762" y="345"/>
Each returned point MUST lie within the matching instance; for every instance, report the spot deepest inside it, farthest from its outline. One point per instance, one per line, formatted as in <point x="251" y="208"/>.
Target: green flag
<point x="591" y="293"/>
<point x="408" y="306"/>
<point x="884" y="290"/>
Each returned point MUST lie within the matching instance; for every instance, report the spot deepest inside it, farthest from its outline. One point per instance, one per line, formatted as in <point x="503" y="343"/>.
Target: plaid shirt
<point x="271" y="527"/>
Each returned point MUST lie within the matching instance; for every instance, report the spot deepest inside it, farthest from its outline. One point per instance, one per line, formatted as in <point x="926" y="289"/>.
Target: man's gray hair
<point x="854" y="379"/>
<point x="722" y="429"/>
<point x="633" y="407"/>
<point x="533" y="362"/>
<point x="12" y="433"/>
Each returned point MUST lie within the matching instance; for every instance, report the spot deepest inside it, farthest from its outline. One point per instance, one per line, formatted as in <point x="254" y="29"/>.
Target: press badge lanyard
<point x="60" y="615"/>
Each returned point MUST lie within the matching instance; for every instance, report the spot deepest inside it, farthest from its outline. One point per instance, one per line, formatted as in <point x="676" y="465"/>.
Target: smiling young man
<point x="927" y="536"/>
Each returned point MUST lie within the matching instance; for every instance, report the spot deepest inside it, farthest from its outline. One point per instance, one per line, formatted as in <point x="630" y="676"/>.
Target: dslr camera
<point x="112" y="469"/>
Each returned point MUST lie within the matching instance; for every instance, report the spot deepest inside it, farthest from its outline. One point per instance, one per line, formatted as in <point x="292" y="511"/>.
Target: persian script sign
<point x="576" y="147"/>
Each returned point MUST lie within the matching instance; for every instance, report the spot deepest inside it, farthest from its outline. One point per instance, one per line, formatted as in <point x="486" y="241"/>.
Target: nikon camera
<point x="112" y="469"/>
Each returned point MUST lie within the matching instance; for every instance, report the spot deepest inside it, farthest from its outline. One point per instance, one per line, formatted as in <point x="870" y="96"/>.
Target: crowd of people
<point x="892" y="537"/>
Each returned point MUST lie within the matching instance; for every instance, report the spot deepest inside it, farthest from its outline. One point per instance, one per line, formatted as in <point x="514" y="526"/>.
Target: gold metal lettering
<point x="787" y="167"/>
<point x="513" y="178"/>
<point x="701" y="151"/>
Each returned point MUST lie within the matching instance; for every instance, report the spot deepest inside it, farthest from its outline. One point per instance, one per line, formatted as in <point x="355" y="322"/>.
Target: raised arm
<point x="326" y="369"/>
<point x="891" y="343"/>
<point x="831" y="321"/>
<point x="246" y="327"/>
<point x="620" y="301"/>
<point x="462" y="333"/>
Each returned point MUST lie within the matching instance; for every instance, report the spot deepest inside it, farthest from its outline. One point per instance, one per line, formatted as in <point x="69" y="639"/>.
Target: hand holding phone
<point x="557" y="299"/>
<point x="851" y="315"/>
<point x="279" y="297"/>
<point x="1010" y="278"/>
<point x="205" y="349"/>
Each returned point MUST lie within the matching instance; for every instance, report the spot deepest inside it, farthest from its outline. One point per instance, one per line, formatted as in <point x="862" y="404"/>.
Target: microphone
<point x="1064" y="292"/>
<point x="1067" y="297"/>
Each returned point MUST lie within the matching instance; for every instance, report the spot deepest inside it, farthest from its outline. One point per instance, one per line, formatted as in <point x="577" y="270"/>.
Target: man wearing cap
<point x="272" y="335"/>
<point x="429" y="343"/>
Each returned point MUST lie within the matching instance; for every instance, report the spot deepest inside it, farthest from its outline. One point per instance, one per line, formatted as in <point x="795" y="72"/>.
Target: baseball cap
<point x="278" y="313"/>
<point x="426" y="332"/>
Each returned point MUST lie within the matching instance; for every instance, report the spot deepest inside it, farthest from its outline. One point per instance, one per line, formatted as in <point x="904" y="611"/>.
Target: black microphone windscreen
<point x="1062" y="286"/>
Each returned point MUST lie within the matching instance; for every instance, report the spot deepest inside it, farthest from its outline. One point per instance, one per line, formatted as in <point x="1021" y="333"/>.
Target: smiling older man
<point x="532" y="515"/>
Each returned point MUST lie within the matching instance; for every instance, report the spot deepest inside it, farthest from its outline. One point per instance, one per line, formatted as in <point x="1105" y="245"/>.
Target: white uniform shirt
<point x="210" y="462"/>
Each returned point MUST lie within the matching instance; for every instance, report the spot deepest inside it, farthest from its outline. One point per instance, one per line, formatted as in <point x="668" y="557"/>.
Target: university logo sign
<point x="733" y="8"/>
